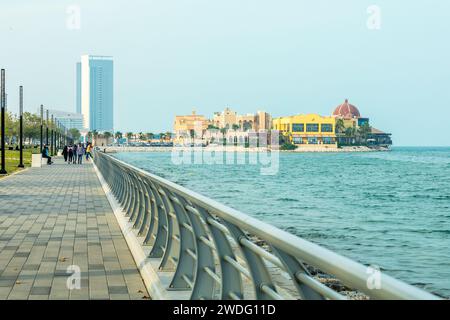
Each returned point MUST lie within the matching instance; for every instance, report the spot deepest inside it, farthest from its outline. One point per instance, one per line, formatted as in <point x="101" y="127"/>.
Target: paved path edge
<point x="151" y="279"/>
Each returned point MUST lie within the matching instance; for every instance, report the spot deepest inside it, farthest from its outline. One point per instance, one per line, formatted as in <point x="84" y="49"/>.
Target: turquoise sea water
<point x="390" y="209"/>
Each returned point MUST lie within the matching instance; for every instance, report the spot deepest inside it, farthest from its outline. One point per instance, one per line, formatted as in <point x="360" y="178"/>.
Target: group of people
<point x="74" y="153"/>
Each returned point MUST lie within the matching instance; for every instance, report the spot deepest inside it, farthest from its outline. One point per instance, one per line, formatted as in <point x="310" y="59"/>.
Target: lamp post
<point x="52" y="140"/>
<point x="57" y="135"/>
<point x="2" y="103"/>
<point x="42" y="127"/>
<point x="21" y="127"/>
<point x="46" y="128"/>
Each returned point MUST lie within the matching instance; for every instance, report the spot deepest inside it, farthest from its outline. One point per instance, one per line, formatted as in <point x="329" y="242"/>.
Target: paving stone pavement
<point x="56" y="221"/>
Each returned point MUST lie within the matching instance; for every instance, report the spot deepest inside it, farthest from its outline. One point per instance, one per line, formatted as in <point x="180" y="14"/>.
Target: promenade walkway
<point x="55" y="217"/>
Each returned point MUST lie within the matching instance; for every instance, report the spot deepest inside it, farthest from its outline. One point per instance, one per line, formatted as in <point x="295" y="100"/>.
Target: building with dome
<point x="345" y="127"/>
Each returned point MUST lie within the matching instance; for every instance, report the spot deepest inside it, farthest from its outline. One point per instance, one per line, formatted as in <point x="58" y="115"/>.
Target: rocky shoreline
<point x="324" y="278"/>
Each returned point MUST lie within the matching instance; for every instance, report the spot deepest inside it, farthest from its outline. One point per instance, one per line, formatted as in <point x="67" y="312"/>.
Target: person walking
<point x="88" y="151"/>
<point x="65" y="153"/>
<point x="46" y="154"/>
<point x="80" y="153"/>
<point x="70" y="152"/>
<point x="75" y="154"/>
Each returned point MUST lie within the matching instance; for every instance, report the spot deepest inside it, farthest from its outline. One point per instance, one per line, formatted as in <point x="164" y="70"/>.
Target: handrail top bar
<point x="351" y="273"/>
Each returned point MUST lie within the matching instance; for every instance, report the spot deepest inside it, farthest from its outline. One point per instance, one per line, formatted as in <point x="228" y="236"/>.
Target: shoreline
<point x="243" y="149"/>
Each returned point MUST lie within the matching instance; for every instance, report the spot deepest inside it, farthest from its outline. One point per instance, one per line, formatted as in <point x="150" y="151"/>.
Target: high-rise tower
<point x="95" y="92"/>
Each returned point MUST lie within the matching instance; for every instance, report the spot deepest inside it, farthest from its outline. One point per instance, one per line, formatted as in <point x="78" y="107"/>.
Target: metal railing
<point x="212" y="251"/>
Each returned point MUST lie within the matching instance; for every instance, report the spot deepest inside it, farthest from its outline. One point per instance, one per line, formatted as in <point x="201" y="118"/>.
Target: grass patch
<point x="13" y="157"/>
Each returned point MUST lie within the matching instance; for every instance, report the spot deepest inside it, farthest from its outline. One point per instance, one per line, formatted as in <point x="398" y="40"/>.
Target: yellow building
<point x="308" y="129"/>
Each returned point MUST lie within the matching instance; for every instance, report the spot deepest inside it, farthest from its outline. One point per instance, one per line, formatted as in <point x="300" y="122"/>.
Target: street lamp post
<point x="46" y="128"/>
<point x="51" y="138"/>
<point x="2" y="102"/>
<point x="58" y="145"/>
<point x="21" y="127"/>
<point x="42" y="127"/>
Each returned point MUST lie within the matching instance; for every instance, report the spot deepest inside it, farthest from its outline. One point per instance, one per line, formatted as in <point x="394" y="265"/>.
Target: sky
<point x="285" y="57"/>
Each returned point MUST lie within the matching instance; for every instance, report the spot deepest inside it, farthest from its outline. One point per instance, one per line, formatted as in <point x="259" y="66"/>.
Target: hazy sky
<point x="284" y="57"/>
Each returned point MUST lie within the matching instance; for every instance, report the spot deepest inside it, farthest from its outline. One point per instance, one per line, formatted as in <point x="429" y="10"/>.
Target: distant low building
<point x="229" y="119"/>
<point x="308" y="129"/>
<point x="190" y="127"/>
<point x="345" y="126"/>
<point x="227" y="125"/>
<point x="69" y="120"/>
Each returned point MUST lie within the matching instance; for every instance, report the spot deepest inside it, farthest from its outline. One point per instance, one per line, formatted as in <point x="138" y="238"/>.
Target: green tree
<point x="350" y="134"/>
<point x="340" y="126"/>
<point x="107" y="135"/>
<point x="31" y="127"/>
<point x="75" y="133"/>
<point x="118" y="135"/>
<point x="235" y="127"/>
<point x="11" y="127"/>
<point x="149" y="135"/>
<point x="223" y="131"/>
<point x="129" y="136"/>
<point x="363" y="132"/>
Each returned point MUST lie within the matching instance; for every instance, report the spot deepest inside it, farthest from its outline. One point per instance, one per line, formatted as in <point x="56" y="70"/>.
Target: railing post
<point x="294" y="267"/>
<point x="260" y="275"/>
<point x="160" y="243"/>
<point x="187" y="262"/>
<point x="231" y="278"/>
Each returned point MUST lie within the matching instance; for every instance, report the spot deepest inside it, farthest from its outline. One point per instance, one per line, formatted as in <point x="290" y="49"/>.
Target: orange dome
<point x="346" y="110"/>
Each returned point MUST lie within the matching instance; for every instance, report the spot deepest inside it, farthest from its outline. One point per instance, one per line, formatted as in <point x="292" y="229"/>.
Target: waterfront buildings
<point x="69" y="120"/>
<point x="227" y="124"/>
<point x="188" y="127"/>
<point x="308" y="129"/>
<point x="229" y="119"/>
<point x="345" y="126"/>
<point x="94" y="92"/>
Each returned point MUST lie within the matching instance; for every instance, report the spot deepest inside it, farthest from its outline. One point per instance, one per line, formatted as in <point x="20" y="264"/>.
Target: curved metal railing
<point x="216" y="252"/>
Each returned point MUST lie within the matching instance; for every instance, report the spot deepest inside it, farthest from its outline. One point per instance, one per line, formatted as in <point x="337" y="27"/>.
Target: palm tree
<point x="129" y="136"/>
<point x="340" y="126"/>
<point x="364" y="130"/>
<point x="212" y="127"/>
<point x="223" y="131"/>
<point x="350" y="133"/>
<point x="118" y="135"/>
<point x="107" y="136"/>
<point x="150" y="136"/>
